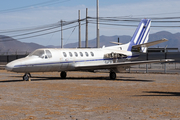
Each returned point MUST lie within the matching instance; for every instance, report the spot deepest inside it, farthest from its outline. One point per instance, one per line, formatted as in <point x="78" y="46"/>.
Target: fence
<point x="9" y="58"/>
<point x="161" y="55"/>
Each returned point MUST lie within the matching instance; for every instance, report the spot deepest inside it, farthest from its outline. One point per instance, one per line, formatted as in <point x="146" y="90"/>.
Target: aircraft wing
<point x="150" y="43"/>
<point x="119" y="64"/>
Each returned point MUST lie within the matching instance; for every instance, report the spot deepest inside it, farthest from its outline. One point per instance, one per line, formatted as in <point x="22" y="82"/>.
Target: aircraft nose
<point x="9" y="66"/>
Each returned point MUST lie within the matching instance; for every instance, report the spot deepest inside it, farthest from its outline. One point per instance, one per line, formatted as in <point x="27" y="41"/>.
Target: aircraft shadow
<point x="36" y="78"/>
<point x="135" y="80"/>
<point x="159" y="93"/>
<point x="9" y="81"/>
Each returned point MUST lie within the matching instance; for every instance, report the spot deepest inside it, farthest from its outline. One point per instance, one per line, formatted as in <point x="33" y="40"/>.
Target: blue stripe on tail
<point x="141" y="34"/>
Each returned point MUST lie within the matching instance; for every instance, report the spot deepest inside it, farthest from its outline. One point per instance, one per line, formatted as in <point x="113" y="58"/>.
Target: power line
<point x="129" y="25"/>
<point x="39" y="27"/>
<point x="33" y="5"/>
<point x="113" y="21"/>
<point x="163" y="19"/>
<point x="6" y="40"/>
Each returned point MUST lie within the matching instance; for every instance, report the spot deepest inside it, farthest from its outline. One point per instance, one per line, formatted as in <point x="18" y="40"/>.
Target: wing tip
<point x="167" y="60"/>
<point x="164" y="39"/>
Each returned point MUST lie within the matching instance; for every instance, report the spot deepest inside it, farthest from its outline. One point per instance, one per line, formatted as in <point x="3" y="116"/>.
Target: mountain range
<point x="173" y="40"/>
<point x="13" y="45"/>
<point x="17" y="46"/>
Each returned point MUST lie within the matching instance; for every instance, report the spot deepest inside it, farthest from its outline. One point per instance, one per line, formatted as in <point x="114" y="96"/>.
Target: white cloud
<point x="47" y="15"/>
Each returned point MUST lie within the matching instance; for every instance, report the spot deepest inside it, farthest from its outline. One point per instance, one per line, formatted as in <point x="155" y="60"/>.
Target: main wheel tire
<point x="26" y="77"/>
<point x="112" y="75"/>
<point x="63" y="75"/>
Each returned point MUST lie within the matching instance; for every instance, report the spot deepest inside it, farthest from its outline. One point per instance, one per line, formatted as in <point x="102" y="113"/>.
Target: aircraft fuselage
<point x="50" y="60"/>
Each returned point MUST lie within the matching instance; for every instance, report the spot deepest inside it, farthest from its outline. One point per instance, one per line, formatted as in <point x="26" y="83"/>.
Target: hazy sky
<point x="29" y="13"/>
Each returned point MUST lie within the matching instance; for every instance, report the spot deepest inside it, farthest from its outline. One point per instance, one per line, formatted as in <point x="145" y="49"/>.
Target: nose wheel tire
<point x="63" y="75"/>
<point x="112" y="75"/>
<point x="26" y="77"/>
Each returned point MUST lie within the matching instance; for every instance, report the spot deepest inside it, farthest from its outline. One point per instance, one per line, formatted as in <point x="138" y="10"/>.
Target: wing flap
<point x="120" y="64"/>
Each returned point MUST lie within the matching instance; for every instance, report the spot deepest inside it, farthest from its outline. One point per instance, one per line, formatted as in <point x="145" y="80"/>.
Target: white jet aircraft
<point x="115" y="58"/>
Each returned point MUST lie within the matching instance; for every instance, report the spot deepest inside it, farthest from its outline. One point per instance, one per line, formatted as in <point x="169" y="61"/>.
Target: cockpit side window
<point x="48" y="54"/>
<point x="38" y="53"/>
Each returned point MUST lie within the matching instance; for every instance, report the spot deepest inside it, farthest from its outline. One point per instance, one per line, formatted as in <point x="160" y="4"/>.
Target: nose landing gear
<point x="26" y="77"/>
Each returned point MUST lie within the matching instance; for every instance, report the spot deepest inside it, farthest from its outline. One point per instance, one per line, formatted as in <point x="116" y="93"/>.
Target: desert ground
<point x="90" y="96"/>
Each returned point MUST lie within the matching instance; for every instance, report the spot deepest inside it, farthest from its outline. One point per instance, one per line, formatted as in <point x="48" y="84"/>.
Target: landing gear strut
<point x="26" y="76"/>
<point x="112" y="75"/>
<point x="63" y="75"/>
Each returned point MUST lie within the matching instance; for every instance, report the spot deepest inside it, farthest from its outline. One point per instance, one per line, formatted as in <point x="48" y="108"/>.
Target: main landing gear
<point x="26" y="77"/>
<point x="63" y="75"/>
<point x="112" y="75"/>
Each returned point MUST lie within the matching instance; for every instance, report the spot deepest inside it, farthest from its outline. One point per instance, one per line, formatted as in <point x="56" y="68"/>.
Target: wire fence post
<point x="147" y="64"/>
<point x="165" y="71"/>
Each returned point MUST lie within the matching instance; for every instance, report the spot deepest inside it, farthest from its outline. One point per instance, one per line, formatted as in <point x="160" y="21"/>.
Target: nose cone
<point x="9" y="66"/>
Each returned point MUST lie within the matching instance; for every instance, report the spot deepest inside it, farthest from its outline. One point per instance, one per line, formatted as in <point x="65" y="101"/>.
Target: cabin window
<point x="65" y="55"/>
<point x="81" y="54"/>
<point x="76" y="54"/>
<point x="92" y="54"/>
<point x="86" y="54"/>
<point x="49" y="55"/>
<point x="70" y="54"/>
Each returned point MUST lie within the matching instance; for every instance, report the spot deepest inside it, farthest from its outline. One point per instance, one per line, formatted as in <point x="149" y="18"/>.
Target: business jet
<point x="114" y="58"/>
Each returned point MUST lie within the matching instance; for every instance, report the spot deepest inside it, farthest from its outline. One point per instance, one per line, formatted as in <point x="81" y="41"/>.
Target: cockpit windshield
<point x="41" y="53"/>
<point x="38" y="53"/>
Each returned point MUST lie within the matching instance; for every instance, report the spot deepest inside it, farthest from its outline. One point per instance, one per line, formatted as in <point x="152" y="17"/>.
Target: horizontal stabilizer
<point x="116" y="43"/>
<point x="150" y="43"/>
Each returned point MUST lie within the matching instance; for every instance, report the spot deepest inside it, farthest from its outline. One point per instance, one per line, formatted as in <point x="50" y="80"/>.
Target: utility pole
<point x="97" y="23"/>
<point x="61" y="34"/>
<point x="86" y="27"/>
<point x="79" y="20"/>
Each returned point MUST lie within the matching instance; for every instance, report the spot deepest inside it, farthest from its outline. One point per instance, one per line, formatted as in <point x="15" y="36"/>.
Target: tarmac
<point x="90" y="96"/>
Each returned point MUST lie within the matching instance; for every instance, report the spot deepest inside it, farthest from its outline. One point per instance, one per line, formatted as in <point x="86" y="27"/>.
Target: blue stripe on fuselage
<point x="41" y="64"/>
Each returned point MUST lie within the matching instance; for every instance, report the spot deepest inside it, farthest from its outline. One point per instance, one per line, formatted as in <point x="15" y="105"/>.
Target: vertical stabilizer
<point x="141" y="35"/>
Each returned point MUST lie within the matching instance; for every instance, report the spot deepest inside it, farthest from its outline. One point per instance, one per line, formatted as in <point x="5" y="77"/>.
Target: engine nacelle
<point x="114" y="55"/>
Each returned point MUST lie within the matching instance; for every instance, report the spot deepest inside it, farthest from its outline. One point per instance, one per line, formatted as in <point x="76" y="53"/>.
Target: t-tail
<point x="140" y="36"/>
